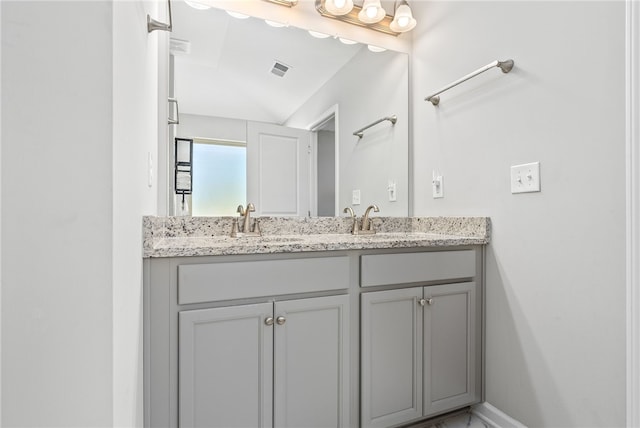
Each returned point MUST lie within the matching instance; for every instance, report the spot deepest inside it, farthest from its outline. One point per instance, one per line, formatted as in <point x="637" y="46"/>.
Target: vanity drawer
<point x="238" y="280"/>
<point x="385" y="269"/>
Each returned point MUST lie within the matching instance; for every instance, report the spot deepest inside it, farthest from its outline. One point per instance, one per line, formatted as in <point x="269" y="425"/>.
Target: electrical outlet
<point x="391" y="188"/>
<point x="525" y="178"/>
<point x="355" y="197"/>
<point x="438" y="185"/>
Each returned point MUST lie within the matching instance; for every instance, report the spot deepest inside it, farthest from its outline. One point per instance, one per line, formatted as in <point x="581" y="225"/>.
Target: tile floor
<point x="462" y="421"/>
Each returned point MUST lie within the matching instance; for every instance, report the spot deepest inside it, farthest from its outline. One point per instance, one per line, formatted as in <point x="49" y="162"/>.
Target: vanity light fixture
<point x="287" y="3"/>
<point x="370" y="15"/>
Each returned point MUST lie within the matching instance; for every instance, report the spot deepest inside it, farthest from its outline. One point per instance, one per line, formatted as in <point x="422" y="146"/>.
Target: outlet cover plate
<point x="525" y="178"/>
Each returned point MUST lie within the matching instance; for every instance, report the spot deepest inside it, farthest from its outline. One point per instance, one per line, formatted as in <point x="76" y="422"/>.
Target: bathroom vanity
<point x="309" y="325"/>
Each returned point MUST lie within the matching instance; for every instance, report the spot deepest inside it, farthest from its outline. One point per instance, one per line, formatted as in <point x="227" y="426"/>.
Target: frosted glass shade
<point x="403" y="19"/>
<point x="371" y="12"/>
<point x="338" y="7"/>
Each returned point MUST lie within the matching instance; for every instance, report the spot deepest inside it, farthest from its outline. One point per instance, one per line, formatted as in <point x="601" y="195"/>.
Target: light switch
<point x="391" y="188"/>
<point x="355" y="197"/>
<point x="438" y="185"/>
<point x="525" y="178"/>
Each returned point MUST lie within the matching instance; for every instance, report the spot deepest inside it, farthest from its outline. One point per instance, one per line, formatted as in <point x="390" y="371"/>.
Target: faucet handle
<point x="240" y="210"/>
<point x="234" y="228"/>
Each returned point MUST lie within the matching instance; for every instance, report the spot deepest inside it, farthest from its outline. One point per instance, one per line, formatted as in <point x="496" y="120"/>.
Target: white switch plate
<point x="525" y="178"/>
<point x="150" y="169"/>
<point x="355" y="197"/>
<point x="438" y="185"/>
<point x="391" y="188"/>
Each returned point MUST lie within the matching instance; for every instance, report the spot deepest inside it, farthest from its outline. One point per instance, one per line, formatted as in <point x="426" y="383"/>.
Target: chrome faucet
<point x="245" y="213"/>
<point x="367" y="226"/>
<point x="354" y="227"/>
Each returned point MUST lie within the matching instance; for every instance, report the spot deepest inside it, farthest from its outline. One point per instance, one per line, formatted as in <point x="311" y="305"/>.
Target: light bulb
<point x="403" y="20"/>
<point x="318" y="35"/>
<point x="338" y="7"/>
<point x="276" y="24"/>
<point x="197" y="5"/>
<point x="237" y="15"/>
<point x="371" y="12"/>
<point x="374" y="48"/>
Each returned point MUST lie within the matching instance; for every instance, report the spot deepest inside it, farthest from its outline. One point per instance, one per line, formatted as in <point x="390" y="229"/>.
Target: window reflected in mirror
<point x="219" y="177"/>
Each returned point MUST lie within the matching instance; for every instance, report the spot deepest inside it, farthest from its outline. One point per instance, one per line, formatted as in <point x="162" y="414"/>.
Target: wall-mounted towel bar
<point x="360" y="132"/>
<point x="153" y="25"/>
<point x="505" y="66"/>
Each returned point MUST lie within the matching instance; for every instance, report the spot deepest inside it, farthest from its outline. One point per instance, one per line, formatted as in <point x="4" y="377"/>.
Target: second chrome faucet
<point x="245" y="213"/>
<point x="367" y="225"/>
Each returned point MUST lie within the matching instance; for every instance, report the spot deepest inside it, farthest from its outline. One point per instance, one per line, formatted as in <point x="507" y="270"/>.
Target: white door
<point x="278" y="169"/>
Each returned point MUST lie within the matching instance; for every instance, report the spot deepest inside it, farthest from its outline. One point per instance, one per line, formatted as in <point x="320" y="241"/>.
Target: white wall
<point x="193" y="125"/>
<point x="79" y="119"/>
<point x="135" y="138"/>
<point x="555" y="286"/>
<point x="57" y="214"/>
<point x="365" y="92"/>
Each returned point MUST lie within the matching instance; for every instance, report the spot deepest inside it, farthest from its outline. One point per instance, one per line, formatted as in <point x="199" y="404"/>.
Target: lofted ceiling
<point x="228" y="70"/>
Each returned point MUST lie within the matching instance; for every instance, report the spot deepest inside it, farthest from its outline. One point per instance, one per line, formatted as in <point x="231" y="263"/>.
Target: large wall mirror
<point x="272" y="111"/>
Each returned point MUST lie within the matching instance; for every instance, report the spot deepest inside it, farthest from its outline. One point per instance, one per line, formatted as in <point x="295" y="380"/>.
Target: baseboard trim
<point x="495" y="417"/>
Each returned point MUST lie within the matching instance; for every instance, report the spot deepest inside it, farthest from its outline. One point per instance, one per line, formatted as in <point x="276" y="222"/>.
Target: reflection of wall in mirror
<point x="369" y="87"/>
<point x="367" y="164"/>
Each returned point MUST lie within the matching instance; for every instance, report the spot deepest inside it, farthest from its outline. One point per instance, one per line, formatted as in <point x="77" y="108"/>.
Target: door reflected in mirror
<point x="246" y="82"/>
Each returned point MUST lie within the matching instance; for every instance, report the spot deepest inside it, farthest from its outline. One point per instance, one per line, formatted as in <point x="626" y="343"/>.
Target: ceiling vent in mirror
<point x="279" y="69"/>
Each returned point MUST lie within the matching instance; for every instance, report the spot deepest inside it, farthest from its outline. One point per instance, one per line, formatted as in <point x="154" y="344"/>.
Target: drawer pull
<point x="269" y="321"/>
<point x="281" y="320"/>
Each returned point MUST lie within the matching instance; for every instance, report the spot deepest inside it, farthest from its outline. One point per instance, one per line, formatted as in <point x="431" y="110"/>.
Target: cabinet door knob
<point x="281" y="320"/>
<point x="422" y="302"/>
<point x="430" y="301"/>
<point x="268" y="321"/>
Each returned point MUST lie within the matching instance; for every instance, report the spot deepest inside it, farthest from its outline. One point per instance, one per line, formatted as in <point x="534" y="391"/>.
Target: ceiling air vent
<point x="279" y="69"/>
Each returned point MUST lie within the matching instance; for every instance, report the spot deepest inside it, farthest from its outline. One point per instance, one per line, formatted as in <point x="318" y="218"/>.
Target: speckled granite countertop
<point x="209" y="236"/>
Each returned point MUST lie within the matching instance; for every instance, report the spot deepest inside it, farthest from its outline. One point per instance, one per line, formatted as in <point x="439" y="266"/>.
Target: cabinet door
<point x="225" y="368"/>
<point x="450" y="347"/>
<point x="391" y="357"/>
<point x="311" y="362"/>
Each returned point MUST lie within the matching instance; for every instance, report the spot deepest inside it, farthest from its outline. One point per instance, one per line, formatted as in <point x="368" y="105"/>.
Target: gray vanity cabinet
<point x="420" y="352"/>
<point x="225" y="367"/>
<point x="277" y="364"/>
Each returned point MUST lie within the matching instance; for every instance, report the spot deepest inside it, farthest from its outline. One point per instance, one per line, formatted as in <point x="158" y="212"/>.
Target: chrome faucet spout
<point x="247" y="217"/>
<point x="366" y="222"/>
